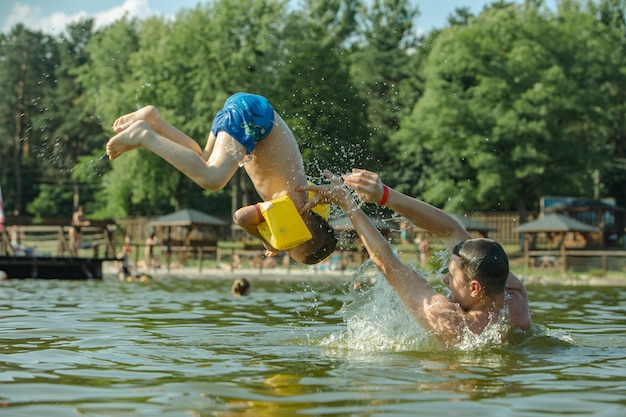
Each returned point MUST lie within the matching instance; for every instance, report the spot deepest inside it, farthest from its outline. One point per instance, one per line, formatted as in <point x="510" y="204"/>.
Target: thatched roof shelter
<point x="558" y="226"/>
<point x="189" y="228"/>
<point x="555" y="223"/>
<point x="609" y="218"/>
<point x="187" y="218"/>
<point x="185" y="226"/>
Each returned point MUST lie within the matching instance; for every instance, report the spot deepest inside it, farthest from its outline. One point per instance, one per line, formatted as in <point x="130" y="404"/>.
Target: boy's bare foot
<point x="130" y="138"/>
<point x="149" y="114"/>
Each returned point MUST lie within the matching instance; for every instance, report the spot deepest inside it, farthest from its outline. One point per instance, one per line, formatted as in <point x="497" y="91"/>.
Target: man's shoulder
<point x="439" y="310"/>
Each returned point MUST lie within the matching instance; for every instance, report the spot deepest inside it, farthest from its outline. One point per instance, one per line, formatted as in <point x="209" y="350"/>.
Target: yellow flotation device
<point x="283" y="227"/>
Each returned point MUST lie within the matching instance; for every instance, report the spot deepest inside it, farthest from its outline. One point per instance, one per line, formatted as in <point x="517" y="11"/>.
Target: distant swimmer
<point x="241" y="286"/>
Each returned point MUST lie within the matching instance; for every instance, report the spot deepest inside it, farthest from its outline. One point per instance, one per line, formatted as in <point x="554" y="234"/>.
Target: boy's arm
<point x="249" y="218"/>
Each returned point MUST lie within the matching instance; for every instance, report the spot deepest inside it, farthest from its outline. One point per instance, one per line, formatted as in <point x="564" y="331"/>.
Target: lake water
<point x="316" y="347"/>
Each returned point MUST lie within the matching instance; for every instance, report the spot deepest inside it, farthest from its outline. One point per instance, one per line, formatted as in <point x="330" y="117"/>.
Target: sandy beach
<point x="301" y="274"/>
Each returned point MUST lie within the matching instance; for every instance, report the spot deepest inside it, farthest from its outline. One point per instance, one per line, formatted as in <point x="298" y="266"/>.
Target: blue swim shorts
<point x="248" y="118"/>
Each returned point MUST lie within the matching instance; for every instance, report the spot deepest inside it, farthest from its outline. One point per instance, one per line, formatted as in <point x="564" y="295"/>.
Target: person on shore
<point x="151" y="260"/>
<point x="123" y="258"/>
<point x="75" y="233"/>
<point x="246" y="132"/>
<point x="483" y="291"/>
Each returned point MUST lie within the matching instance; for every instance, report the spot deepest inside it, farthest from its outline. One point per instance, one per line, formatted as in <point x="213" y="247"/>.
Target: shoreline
<point x="280" y="274"/>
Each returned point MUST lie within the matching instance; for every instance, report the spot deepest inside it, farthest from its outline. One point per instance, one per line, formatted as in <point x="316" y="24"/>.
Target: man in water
<point x="248" y="132"/>
<point x="483" y="291"/>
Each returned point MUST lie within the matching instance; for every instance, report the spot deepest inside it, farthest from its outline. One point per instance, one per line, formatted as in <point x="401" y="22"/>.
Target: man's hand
<point x="366" y="184"/>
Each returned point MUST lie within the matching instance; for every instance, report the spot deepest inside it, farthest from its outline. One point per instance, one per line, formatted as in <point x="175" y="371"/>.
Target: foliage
<point x="27" y="66"/>
<point x="380" y="63"/>
<point x="513" y="109"/>
<point x="68" y="128"/>
<point x="322" y="106"/>
<point x="489" y="113"/>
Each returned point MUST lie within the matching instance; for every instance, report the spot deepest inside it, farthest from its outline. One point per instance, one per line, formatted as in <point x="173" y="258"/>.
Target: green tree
<point x="69" y="130"/>
<point x="106" y="76"/>
<point x="318" y="98"/>
<point x="612" y="15"/>
<point x="158" y="74"/>
<point x="380" y="66"/>
<point x="26" y="67"/>
<point x="511" y="110"/>
<point x="103" y="78"/>
<point x="187" y="69"/>
<point x="489" y="113"/>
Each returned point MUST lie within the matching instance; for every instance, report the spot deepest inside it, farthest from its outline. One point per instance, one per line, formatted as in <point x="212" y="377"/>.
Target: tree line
<point x="490" y="112"/>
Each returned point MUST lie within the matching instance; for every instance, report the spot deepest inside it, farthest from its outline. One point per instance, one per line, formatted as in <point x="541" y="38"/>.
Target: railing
<point x="577" y="260"/>
<point x="30" y="238"/>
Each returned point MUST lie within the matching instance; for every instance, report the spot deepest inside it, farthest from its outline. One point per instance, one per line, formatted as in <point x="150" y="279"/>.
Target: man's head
<point x="320" y="246"/>
<point x="241" y="286"/>
<point x="485" y="261"/>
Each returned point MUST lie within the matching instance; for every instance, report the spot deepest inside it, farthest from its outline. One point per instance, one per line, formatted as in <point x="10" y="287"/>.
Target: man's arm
<point x="431" y="309"/>
<point x="369" y="188"/>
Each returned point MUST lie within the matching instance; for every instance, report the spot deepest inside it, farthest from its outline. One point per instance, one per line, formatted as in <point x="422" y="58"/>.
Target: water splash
<point x="493" y="336"/>
<point x="94" y="166"/>
<point x="138" y="91"/>
<point x="376" y="319"/>
<point x="91" y="168"/>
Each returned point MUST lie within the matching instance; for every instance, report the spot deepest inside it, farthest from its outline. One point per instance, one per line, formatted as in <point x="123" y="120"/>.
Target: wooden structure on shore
<point x="564" y="232"/>
<point x="51" y="267"/>
<point x="187" y="231"/>
<point x="608" y="219"/>
<point x="27" y="250"/>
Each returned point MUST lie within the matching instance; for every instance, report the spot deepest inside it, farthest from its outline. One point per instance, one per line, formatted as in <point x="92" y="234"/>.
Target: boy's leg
<point x="152" y="117"/>
<point x="208" y="148"/>
<point x="212" y="175"/>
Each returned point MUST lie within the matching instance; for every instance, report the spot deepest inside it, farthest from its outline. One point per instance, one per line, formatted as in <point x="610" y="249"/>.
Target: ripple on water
<point x="190" y="348"/>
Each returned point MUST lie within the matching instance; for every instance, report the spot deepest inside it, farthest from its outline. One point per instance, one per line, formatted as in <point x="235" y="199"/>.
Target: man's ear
<point x="475" y="287"/>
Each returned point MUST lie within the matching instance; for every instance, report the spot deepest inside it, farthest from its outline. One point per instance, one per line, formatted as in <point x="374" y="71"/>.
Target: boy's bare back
<point x="276" y="166"/>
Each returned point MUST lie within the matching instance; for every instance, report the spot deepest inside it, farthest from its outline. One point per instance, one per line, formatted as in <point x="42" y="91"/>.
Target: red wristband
<point x="383" y="200"/>
<point x="258" y="211"/>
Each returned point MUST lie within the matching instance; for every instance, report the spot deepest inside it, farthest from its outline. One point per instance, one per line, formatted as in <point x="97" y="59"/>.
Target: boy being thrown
<point x="246" y="130"/>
